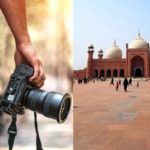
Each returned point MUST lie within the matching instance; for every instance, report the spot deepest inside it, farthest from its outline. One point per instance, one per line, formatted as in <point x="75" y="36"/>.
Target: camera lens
<point x="64" y="108"/>
<point x="50" y="104"/>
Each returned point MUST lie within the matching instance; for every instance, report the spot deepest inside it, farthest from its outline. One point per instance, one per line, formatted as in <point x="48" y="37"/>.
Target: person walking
<point x="119" y="81"/>
<point x="112" y="81"/>
<point x="137" y="84"/>
<point x="117" y="86"/>
<point x="125" y="84"/>
<point x="130" y="81"/>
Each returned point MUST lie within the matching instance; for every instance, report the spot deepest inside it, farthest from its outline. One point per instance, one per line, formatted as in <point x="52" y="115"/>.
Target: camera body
<point x="20" y="94"/>
<point x="12" y="101"/>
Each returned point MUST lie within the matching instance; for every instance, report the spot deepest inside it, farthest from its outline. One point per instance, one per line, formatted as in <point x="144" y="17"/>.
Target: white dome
<point x="114" y="52"/>
<point x="139" y="42"/>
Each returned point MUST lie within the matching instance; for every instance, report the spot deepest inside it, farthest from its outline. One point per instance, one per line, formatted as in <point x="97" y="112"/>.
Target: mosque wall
<point x="136" y="63"/>
<point x="79" y="74"/>
<point x="109" y="67"/>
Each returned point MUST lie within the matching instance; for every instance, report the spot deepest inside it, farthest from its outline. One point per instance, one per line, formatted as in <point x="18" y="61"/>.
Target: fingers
<point x="36" y="67"/>
<point x="38" y="77"/>
<point x="27" y="55"/>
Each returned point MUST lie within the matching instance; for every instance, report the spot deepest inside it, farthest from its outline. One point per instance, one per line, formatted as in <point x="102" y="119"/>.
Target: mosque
<point x="136" y="63"/>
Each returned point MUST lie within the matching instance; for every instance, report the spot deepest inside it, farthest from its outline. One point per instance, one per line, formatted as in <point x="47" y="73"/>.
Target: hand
<point x="25" y="54"/>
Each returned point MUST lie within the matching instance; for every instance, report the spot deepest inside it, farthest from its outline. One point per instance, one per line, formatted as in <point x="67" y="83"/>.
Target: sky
<point x="100" y="22"/>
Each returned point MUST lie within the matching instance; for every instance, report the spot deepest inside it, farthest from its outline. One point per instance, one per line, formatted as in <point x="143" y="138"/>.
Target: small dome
<point x="114" y="52"/>
<point x="91" y="47"/>
<point x="139" y="42"/>
<point x="100" y="51"/>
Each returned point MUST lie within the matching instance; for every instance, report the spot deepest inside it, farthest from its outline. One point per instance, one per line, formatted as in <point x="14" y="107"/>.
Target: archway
<point x="102" y="73"/>
<point x="108" y="73"/>
<point x="95" y="74"/>
<point x="121" y="73"/>
<point x="138" y="72"/>
<point x="137" y="66"/>
<point x="115" y="73"/>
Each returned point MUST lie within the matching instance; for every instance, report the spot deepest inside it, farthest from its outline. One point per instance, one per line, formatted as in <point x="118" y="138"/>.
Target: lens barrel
<point x="50" y="104"/>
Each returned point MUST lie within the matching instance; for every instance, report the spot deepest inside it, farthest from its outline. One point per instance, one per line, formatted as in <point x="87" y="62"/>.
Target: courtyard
<point x="108" y="120"/>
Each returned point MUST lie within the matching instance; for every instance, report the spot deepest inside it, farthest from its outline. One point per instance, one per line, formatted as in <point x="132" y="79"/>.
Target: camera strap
<point x="12" y="131"/>
<point x="38" y="141"/>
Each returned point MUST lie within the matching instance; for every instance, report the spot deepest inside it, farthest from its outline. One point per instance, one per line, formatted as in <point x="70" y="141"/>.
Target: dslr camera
<point x="20" y="94"/>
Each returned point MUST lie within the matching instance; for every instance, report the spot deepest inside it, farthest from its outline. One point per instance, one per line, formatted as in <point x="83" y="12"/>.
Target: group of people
<point x="87" y="80"/>
<point x="126" y="83"/>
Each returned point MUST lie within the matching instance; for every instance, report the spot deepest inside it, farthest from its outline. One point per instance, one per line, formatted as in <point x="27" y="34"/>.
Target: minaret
<point x="127" y="62"/>
<point x="100" y="54"/>
<point x="90" y="61"/>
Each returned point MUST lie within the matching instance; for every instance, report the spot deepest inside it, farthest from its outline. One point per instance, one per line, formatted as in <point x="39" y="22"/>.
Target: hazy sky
<point x="99" y="22"/>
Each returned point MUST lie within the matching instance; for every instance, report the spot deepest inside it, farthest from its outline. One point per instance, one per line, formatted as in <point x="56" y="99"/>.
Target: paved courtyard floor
<point x="108" y="120"/>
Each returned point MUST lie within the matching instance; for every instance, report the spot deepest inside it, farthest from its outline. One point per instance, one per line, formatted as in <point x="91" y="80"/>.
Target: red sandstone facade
<point x="136" y="63"/>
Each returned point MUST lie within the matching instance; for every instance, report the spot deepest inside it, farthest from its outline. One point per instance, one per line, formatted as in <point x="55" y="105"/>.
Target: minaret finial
<point x="139" y="34"/>
<point x="115" y="41"/>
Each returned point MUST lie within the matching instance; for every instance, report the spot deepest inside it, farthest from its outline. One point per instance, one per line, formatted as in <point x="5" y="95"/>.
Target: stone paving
<point x="108" y="120"/>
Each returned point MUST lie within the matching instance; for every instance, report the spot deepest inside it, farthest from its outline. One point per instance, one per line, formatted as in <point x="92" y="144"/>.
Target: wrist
<point x="23" y="40"/>
<point x="25" y="45"/>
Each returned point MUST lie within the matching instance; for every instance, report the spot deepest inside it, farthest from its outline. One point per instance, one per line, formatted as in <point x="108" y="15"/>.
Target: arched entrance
<point x="138" y="72"/>
<point x="102" y="73"/>
<point x="115" y="73"/>
<point x="108" y="73"/>
<point x="137" y="67"/>
<point x="95" y="74"/>
<point x="121" y="73"/>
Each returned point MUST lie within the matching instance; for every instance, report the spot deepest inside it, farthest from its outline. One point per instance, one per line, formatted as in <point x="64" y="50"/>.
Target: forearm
<point x="15" y="14"/>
